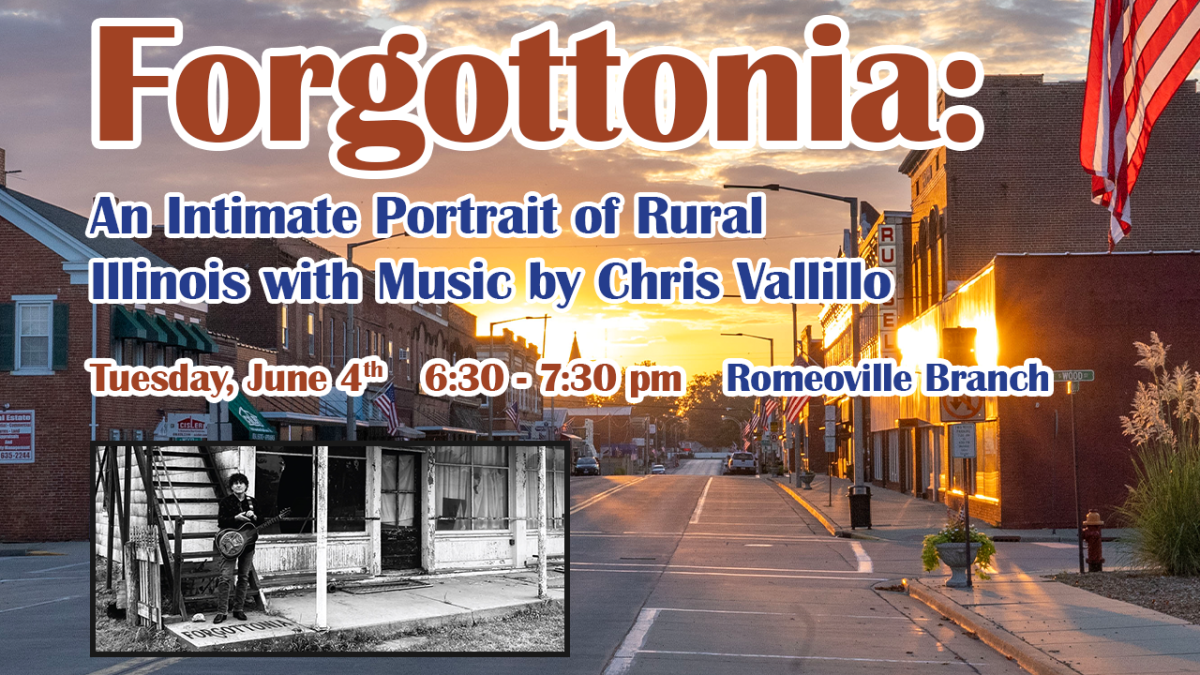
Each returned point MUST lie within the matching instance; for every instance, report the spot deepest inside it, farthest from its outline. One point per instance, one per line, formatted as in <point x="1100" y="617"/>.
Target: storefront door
<point x="401" y="538"/>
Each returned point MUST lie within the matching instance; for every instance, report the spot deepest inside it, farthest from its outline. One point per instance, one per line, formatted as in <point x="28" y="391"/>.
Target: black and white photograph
<point x="341" y="547"/>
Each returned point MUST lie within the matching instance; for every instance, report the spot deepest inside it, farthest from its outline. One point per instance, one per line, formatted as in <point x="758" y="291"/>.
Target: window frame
<point x="20" y="303"/>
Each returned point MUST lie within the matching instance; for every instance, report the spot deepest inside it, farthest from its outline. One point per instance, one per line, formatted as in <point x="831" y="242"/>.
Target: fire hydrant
<point x="1091" y="536"/>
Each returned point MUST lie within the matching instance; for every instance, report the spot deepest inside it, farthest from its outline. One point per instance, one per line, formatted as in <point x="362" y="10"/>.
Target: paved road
<point x="669" y="574"/>
<point x="698" y="467"/>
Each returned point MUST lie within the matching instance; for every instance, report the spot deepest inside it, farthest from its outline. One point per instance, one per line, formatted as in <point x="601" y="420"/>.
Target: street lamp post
<point x="851" y="252"/>
<point x="508" y="352"/>
<point x="772" y="346"/>
<point x="351" y="417"/>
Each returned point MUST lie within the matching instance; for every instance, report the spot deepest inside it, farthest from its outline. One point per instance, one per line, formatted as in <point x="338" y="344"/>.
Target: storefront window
<point x="555" y="490"/>
<point x="472" y="488"/>
<point x="285" y="477"/>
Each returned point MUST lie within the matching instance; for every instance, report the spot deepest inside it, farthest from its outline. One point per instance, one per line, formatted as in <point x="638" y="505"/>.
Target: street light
<point x="757" y="337"/>
<point x="351" y="417"/>
<point x="492" y="354"/>
<point x="740" y="424"/>
<point x="852" y="252"/>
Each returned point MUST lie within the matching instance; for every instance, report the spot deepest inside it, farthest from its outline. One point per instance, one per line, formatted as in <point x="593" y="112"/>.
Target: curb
<point x="1026" y="655"/>
<point x="832" y="527"/>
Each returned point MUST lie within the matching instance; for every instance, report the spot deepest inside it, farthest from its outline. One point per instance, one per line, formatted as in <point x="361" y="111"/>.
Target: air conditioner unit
<point x="401" y="354"/>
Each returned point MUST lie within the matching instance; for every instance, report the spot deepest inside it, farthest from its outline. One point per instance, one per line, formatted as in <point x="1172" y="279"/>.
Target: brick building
<point x="1060" y="309"/>
<point x="521" y="357"/>
<point x="1022" y="189"/>
<point x="404" y="336"/>
<point x="1023" y="192"/>
<point x="48" y="328"/>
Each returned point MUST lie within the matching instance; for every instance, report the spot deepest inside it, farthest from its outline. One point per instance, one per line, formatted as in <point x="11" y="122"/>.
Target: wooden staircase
<point x="188" y="491"/>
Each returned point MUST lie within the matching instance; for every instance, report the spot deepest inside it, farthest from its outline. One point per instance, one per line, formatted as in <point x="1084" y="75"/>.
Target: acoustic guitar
<point x="230" y="542"/>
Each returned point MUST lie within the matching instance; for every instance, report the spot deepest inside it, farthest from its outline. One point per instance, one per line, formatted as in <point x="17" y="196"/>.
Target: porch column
<point x="322" y="534"/>
<point x="374" y="506"/>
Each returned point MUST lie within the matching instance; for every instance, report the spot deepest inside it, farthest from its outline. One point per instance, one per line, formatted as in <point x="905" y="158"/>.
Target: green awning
<point x="125" y="325"/>
<point x="175" y="333"/>
<point x="206" y="344"/>
<point x="255" y="425"/>
<point x="154" y="332"/>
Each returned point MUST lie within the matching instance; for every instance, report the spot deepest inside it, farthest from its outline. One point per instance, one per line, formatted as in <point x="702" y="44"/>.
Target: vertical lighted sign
<point x="889" y="312"/>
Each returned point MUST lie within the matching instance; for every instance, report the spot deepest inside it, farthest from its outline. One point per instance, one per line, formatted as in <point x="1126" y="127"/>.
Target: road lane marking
<point x="79" y="578"/>
<point x="728" y="574"/>
<point x="602" y="495"/>
<point x="60" y="567"/>
<point x="709" y="567"/>
<point x="699" y="535"/>
<point x="39" y="604"/>
<point x="700" y="504"/>
<point x="864" y="561"/>
<point x="150" y="668"/>
<point x="735" y="611"/>
<point x="809" y="658"/>
<point x="758" y="545"/>
<point x="123" y="665"/>
<point x="634" y="639"/>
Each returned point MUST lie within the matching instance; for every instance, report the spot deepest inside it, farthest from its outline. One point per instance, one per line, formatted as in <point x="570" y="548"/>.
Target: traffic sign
<point x="963" y="409"/>
<point x="962" y="440"/>
<point x="1074" y="376"/>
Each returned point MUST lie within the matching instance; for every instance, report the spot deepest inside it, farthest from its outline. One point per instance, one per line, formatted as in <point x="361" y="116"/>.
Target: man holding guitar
<point x="236" y="510"/>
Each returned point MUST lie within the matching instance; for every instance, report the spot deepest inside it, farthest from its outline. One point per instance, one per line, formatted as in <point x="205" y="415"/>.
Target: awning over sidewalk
<point x="249" y="419"/>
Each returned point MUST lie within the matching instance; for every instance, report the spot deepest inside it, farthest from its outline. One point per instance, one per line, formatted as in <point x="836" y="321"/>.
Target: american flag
<point x="1141" y="52"/>
<point x="386" y="402"/>
<point x="795" y="404"/>
<point x="513" y="415"/>
<point x="769" y="408"/>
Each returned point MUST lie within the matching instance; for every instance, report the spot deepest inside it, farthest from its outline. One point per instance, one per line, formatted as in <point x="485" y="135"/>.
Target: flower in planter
<point x="952" y="533"/>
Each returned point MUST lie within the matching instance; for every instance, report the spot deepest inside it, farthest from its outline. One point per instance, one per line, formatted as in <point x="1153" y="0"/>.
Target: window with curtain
<point x="283" y="326"/>
<point x="555" y="488"/>
<point x="472" y="488"/>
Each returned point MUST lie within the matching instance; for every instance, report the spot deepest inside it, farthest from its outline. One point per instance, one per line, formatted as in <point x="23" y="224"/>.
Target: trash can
<point x="860" y="506"/>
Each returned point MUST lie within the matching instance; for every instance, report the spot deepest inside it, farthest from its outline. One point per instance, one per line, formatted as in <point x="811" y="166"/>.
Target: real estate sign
<point x="16" y="437"/>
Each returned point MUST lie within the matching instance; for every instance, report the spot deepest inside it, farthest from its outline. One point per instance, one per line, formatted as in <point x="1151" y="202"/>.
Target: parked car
<point x="658" y="468"/>
<point x="741" y="462"/>
<point x="587" y="466"/>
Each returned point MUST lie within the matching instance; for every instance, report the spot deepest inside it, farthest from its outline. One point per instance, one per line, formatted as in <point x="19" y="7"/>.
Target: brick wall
<point x="1065" y="311"/>
<point x="1023" y="189"/>
<point x="48" y="499"/>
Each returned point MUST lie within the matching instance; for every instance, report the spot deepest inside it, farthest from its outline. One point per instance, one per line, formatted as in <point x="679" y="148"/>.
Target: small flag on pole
<point x="513" y="415"/>
<point x="386" y="402"/>
<point x="1142" y="50"/>
<point x="769" y="408"/>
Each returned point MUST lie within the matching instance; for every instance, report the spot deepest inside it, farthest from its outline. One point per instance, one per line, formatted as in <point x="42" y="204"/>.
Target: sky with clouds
<point x="45" y="113"/>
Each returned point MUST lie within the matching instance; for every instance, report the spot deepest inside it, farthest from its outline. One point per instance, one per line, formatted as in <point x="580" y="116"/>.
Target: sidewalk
<point x="1047" y="626"/>
<point x="427" y="602"/>
<point x="899" y="517"/>
<point x="444" y="600"/>
<point x="1050" y="627"/>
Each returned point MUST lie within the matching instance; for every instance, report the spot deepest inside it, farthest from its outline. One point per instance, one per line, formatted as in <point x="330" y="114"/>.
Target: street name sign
<point x="1074" y="376"/>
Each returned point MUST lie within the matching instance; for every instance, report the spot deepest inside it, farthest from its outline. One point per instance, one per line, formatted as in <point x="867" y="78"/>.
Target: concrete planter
<point x="955" y="558"/>
<point x="806" y="480"/>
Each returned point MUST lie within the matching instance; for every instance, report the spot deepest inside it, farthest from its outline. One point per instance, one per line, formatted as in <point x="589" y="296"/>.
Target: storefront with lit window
<point x="404" y="508"/>
<point x="1071" y="311"/>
